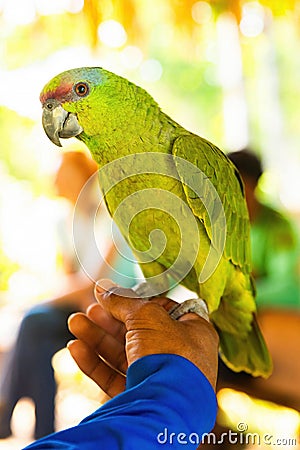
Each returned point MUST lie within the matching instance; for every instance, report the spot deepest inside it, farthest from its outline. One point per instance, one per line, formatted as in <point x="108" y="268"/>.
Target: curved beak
<point x="58" y="123"/>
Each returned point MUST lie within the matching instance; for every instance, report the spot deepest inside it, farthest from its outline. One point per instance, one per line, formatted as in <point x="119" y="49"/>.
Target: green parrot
<point x="176" y="198"/>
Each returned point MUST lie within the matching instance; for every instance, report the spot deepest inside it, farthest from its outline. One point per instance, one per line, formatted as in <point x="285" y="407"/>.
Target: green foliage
<point x="14" y="131"/>
<point x="19" y="164"/>
<point x="40" y="39"/>
<point x="19" y="152"/>
<point x="195" y="88"/>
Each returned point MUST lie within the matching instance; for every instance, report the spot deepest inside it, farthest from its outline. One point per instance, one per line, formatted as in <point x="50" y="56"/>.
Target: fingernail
<point x="70" y="343"/>
<point x="103" y="286"/>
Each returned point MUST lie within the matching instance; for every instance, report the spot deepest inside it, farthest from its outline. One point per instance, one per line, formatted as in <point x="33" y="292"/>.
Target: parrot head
<point x="68" y="98"/>
<point x="87" y="102"/>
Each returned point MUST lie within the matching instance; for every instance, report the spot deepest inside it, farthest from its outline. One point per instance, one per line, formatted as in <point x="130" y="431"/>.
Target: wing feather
<point x="227" y="182"/>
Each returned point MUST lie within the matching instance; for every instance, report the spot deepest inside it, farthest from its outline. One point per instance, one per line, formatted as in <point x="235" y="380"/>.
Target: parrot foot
<point x="195" y="305"/>
<point x="147" y="290"/>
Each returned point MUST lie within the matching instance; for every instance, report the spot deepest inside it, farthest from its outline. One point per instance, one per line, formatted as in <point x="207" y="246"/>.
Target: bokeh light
<point x="252" y="22"/>
<point x="19" y="13"/>
<point x="202" y="12"/>
<point x="131" y="57"/>
<point x="278" y="422"/>
<point x="112" y="33"/>
<point x="46" y="8"/>
<point x="151" y="70"/>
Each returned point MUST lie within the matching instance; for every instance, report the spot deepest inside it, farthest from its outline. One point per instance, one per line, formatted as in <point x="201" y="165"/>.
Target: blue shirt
<point x="168" y="403"/>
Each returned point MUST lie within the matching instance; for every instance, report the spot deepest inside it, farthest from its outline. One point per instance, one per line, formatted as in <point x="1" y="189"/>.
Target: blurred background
<point x="228" y="70"/>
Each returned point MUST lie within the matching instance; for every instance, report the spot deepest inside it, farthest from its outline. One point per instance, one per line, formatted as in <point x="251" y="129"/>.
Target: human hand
<point x="121" y="329"/>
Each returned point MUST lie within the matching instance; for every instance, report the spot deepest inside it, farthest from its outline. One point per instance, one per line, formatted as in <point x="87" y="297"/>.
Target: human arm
<point x="165" y="390"/>
<point x="129" y="328"/>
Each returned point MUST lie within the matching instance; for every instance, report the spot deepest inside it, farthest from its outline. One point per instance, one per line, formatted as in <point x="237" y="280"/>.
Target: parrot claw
<point x="195" y="305"/>
<point x="146" y="290"/>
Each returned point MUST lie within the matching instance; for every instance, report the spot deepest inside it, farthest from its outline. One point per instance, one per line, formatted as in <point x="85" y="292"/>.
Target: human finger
<point x="101" y="342"/>
<point x="151" y="330"/>
<point x="108" y="379"/>
<point x="121" y="303"/>
<point x="106" y="321"/>
<point x="109" y="296"/>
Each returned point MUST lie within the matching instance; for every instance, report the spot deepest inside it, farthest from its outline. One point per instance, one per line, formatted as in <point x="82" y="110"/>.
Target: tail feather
<point x="248" y="354"/>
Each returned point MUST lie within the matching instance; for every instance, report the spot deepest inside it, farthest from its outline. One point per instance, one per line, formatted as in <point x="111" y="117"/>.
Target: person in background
<point x="43" y="331"/>
<point x="274" y="241"/>
<point x="160" y="373"/>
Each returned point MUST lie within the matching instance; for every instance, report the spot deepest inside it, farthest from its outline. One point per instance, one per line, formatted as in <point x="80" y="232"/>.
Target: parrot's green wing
<point x="220" y="171"/>
<point x="241" y="342"/>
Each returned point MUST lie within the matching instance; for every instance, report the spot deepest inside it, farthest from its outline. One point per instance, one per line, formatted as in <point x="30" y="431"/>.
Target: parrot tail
<point x="248" y="354"/>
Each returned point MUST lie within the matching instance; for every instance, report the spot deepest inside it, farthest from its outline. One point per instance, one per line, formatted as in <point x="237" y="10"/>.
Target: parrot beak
<point x="58" y="123"/>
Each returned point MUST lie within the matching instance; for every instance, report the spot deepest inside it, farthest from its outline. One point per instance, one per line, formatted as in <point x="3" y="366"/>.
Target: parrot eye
<point x="81" y="89"/>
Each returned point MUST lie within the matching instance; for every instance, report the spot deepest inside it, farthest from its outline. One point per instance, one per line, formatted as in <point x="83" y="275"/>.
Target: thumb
<point x="118" y="301"/>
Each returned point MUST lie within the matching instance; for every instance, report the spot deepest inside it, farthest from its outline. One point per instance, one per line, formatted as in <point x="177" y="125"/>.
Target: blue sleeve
<point x="168" y="403"/>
